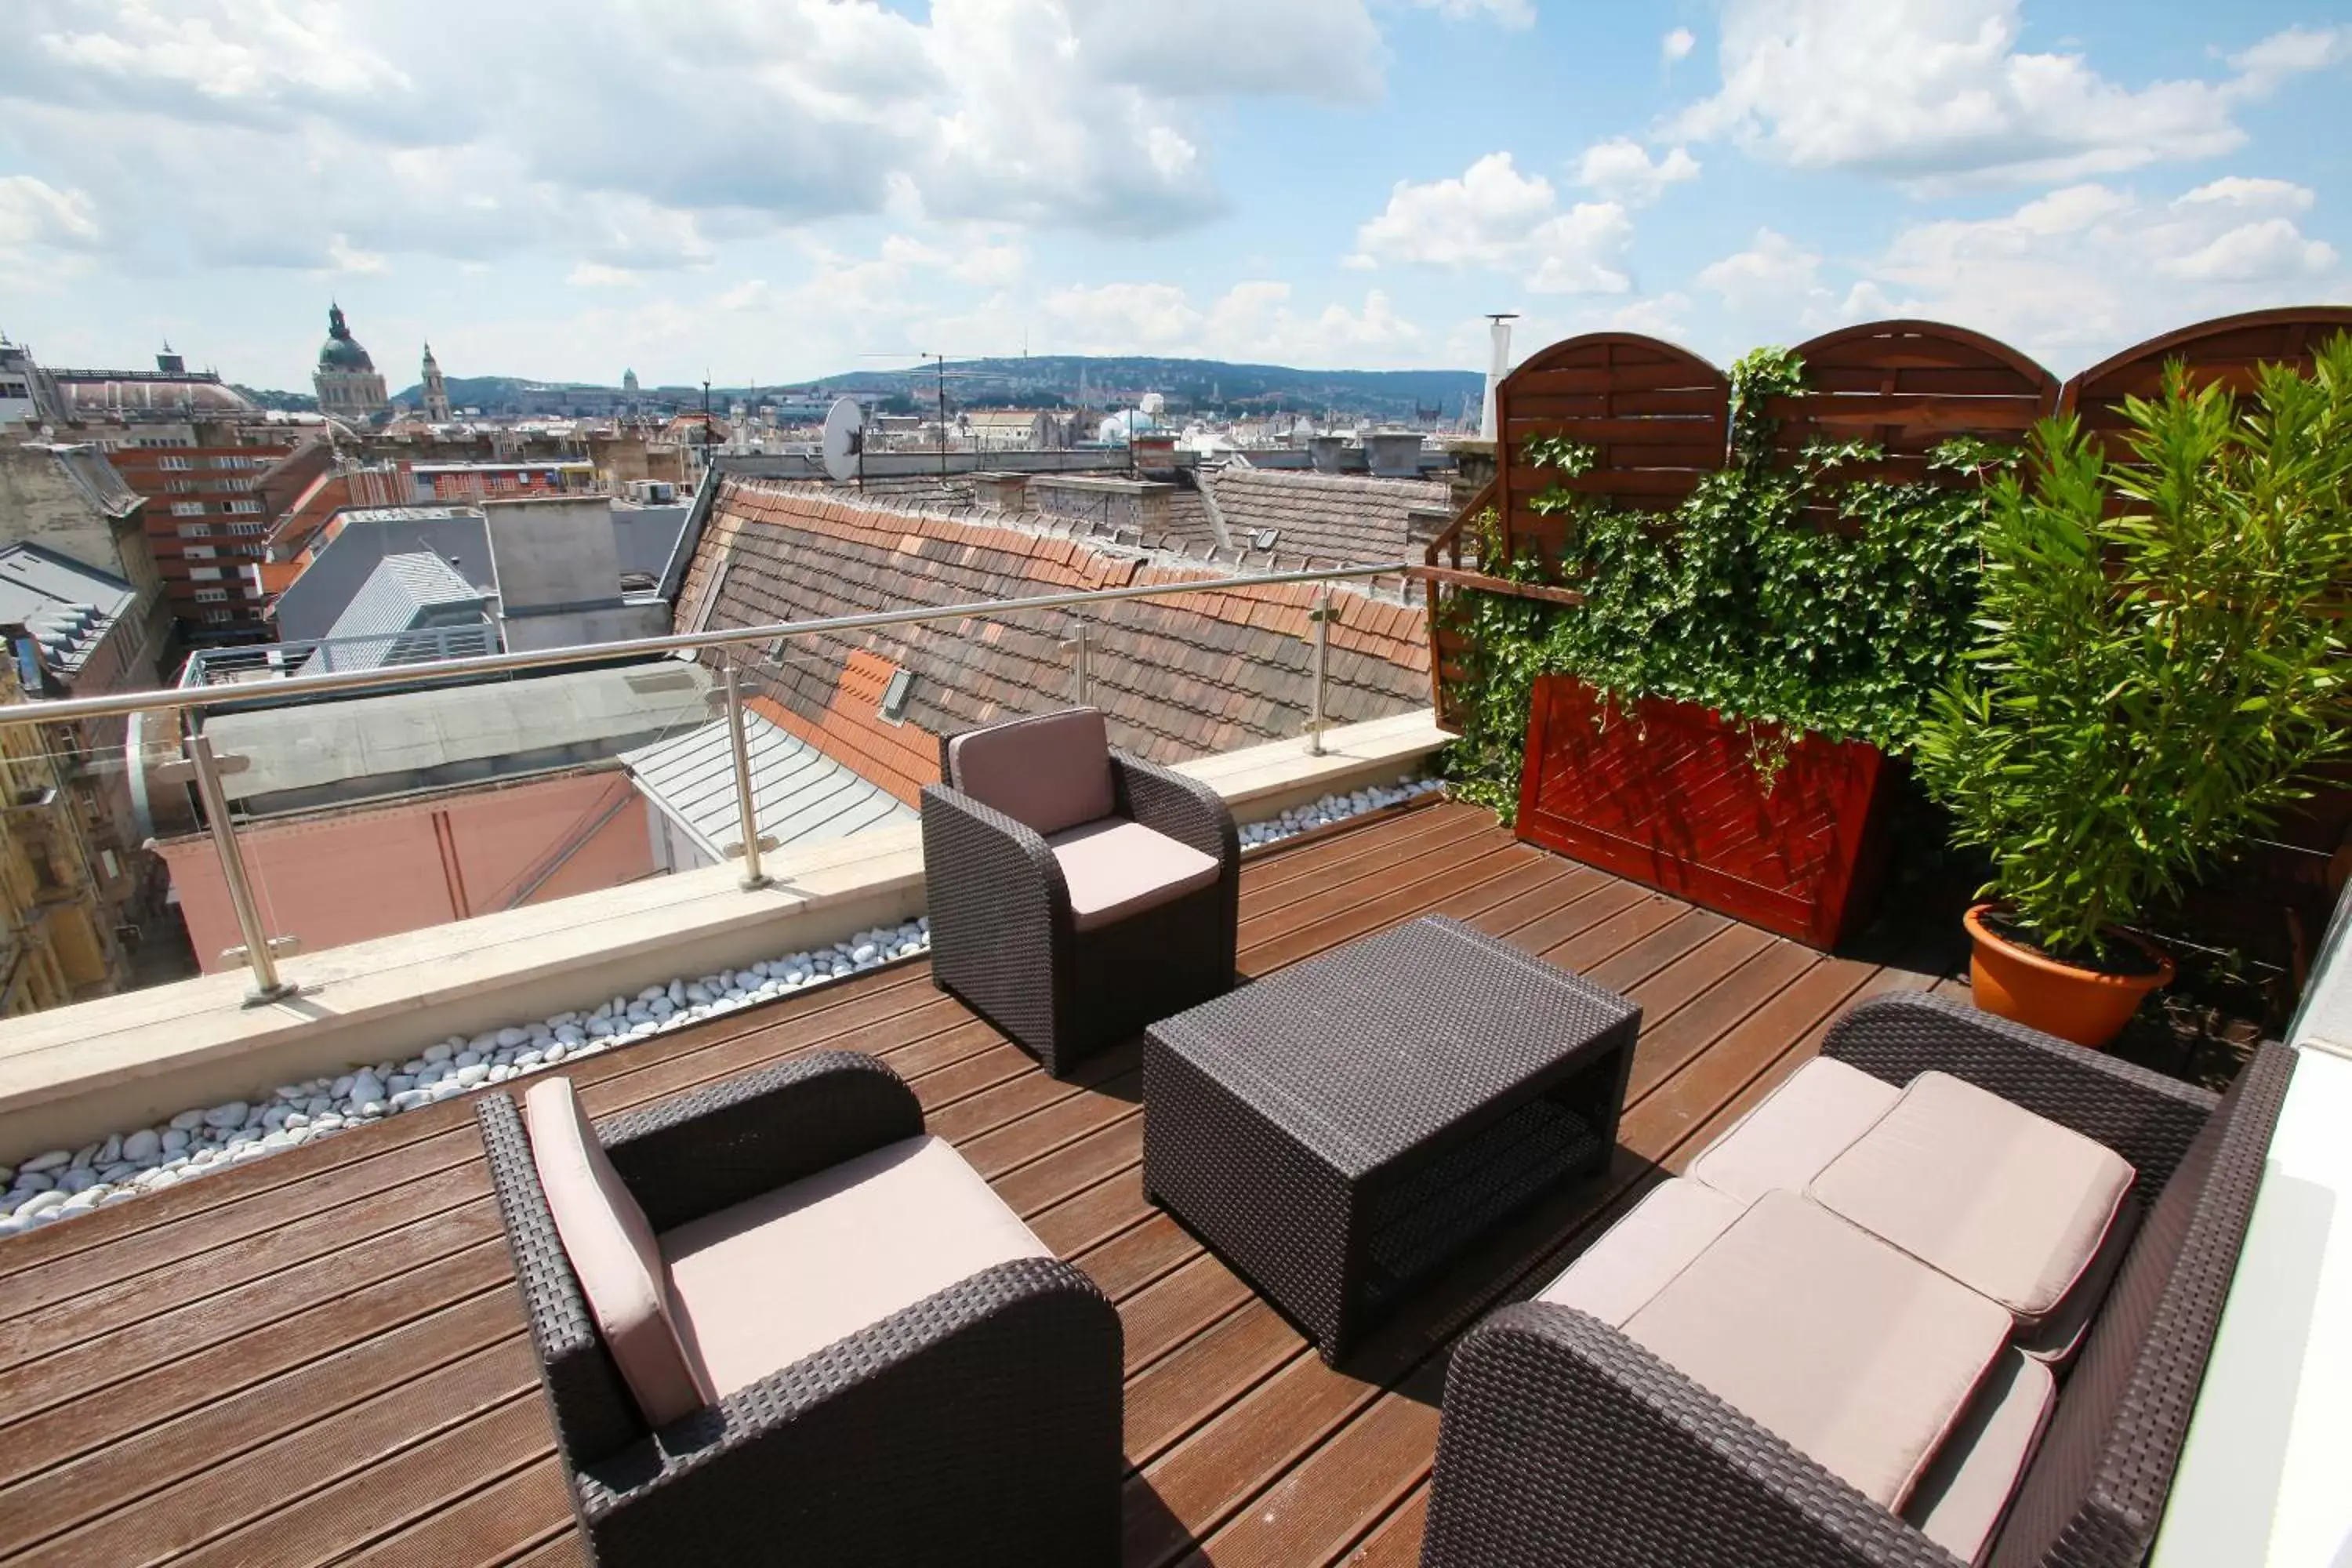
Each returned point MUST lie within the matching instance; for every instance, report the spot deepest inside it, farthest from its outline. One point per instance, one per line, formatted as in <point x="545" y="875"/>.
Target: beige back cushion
<point x="1634" y="1258"/>
<point x="1812" y="1118"/>
<point x="613" y="1253"/>
<point x="1050" y="771"/>
<point x="2008" y="1204"/>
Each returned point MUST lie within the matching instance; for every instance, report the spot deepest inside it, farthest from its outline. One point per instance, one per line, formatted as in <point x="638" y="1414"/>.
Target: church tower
<point x="436" y="394"/>
<point x="346" y="380"/>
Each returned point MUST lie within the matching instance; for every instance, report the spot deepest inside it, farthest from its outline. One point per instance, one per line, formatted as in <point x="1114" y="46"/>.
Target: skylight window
<point x="894" y="697"/>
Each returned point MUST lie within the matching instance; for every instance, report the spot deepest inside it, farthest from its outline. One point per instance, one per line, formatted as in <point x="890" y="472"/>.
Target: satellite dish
<point x="845" y="437"/>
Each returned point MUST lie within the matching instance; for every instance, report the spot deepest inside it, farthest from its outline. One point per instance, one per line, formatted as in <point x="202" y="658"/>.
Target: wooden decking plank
<point x="1530" y="875"/>
<point x="156" y="1456"/>
<point x="943" y="1086"/>
<point x="1315" y="1513"/>
<point x="1578" y="915"/>
<point x="563" y="1550"/>
<point x="1674" y="1041"/>
<point x="1075" y="1166"/>
<point x="1414" y="888"/>
<point x="1143" y="1254"/>
<point x="1386" y="845"/>
<point x="330" y="1525"/>
<point x="1395" y="1542"/>
<point x="302" y="1460"/>
<point x="1076" y="1223"/>
<point x="1216" y="1366"/>
<point x="1007" y="1143"/>
<point x="40" y="1442"/>
<point x="1657" y="950"/>
<point x="365" y="1172"/>
<point x="1393" y="901"/>
<point x="1166" y="1314"/>
<point x="982" y="1114"/>
<point x="149" y="1294"/>
<point x="1599" y="943"/>
<point x="93" y="1363"/>
<point x="1568" y="883"/>
<point x="1183" y="1497"/>
<point x="478" y="1529"/>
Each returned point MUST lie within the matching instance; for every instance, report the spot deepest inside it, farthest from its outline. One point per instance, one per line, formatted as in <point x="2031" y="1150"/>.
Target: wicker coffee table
<point x="1339" y="1129"/>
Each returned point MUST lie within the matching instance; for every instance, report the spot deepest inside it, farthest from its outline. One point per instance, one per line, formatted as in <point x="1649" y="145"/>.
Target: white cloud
<point x="1252" y="321"/>
<point x="1933" y="93"/>
<point x="1677" y="45"/>
<point x="253" y="132"/>
<point x="1497" y="218"/>
<point x="36" y="213"/>
<point x="1774" y="274"/>
<point x="2089" y="268"/>
<point x="1511" y="14"/>
<point x="596" y="275"/>
<point x="1623" y="171"/>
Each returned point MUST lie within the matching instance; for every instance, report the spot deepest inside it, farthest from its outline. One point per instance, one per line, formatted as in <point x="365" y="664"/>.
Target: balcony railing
<point x="246" y="682"/>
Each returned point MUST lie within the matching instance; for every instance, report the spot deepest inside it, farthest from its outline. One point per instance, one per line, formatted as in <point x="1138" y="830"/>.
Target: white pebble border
<point x="63" y="1182"/>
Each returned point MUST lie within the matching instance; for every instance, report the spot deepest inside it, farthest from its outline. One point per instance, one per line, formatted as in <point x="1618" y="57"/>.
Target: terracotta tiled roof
<point x="1327" y="517"/>
<point x="1178" y="678"/>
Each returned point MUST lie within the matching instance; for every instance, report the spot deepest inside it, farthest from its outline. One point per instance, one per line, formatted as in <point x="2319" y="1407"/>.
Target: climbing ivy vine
<point x="1738" y="600"/>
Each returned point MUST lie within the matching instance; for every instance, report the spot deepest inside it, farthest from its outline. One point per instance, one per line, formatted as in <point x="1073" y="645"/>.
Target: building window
<point x="218" y="616"/>
<point x="241" y="506"/>
<point x="200" y="552"/>
<point x="211" y="595"/>
<point x="248" y="530"/>
<point x="240" y="486"/>
<point x="194" y="531"/>
<point x="232" y="462"/>
<point x="188" y="508"/>
<point x="174" y="464"/>
<point x="180" y="487"/>
<point x="205" y="573"/>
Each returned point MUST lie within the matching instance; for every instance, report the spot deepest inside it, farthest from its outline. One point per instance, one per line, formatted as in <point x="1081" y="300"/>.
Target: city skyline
<point x="787" y="192"/>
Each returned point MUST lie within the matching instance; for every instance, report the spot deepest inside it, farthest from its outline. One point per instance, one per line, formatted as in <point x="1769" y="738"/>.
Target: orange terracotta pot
<point x="2078" y="1005"/>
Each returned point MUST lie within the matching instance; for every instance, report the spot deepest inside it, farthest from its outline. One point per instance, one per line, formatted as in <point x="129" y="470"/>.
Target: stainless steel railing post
<point x="1081" y="679"/>
<point x="1321" y="616"/>
<point x="259" y="955"/>
<point x="747" y="808"/>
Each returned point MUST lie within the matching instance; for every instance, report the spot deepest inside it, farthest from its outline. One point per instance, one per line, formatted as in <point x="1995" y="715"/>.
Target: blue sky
<point x="770" y="189"/>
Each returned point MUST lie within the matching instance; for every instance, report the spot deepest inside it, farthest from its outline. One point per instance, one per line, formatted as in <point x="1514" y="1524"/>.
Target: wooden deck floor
<point x="320" y="1357"/>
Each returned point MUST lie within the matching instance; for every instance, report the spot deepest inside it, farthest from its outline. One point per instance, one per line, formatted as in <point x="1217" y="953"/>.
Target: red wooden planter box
<point x="1666" y="795"/>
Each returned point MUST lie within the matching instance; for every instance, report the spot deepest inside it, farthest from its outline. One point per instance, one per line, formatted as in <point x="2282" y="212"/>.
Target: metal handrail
<point x="178" y="700"/>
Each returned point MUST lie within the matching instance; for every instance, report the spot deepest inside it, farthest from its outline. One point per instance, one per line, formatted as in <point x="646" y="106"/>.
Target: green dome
<point x="341" y="351"/>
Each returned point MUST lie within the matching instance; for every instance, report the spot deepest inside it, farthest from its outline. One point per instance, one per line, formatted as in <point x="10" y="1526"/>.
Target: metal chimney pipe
<point x="1498" y="366"/>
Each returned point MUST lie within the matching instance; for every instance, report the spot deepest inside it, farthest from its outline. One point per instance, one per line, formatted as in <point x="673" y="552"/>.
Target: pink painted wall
<point x="371" y="872"/>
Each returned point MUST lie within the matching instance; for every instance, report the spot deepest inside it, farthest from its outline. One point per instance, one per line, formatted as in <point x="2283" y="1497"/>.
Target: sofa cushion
<point x="2060" y="1332"/>
<point x="613" y="1253"/>
<point x="1854" y="1353"/>
<point x="1049" y="771"/>
<point x="1813" y="1116"/>
<point x="2008" y="1203"/>
<point x="762" y="1284"/>
<point x="1631" y="1262"/>
<point x="1958" y="1503"/>
<point x="1116" y="868"/>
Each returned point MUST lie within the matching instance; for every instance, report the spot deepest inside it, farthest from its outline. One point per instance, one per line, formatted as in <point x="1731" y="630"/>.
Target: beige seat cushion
<point x="1958" y="1503"/>
<point x="2008" y="1203"/>
<point x="2054" y="1340"/>
<point x="1116" y="868"/>
<point x="1852" y="1352"/>
<point x="766" y="1282"/>
<point x="1631" y="1262"/>
<point x="613" y="1254"/>
<point x="1049" y="771"/>
<point x="1813" y="1116"/>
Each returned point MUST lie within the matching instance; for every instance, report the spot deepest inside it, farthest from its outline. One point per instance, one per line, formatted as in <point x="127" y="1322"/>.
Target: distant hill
<point x="1111" y="380"/>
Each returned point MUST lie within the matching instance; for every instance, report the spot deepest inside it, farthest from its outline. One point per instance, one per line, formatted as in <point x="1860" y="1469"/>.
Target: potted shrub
<point x="2160" y="662"/>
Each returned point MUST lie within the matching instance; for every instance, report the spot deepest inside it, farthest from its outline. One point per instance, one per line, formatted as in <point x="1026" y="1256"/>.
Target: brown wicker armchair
<point x="831" y="1389"/>
<point x="1565" y="1441"/>
<point x="1076" y="893"/>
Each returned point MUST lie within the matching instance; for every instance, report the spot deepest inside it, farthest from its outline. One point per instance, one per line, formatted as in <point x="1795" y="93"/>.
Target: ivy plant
<point x="1738" y="599"/>
<point x="2162" y="657"/>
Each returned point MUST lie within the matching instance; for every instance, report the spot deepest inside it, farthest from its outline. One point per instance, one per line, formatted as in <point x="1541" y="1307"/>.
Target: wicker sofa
<point x="1076" y="893"/>
<point x="774" y="1322"/>
<point x="1568" y="1437"/>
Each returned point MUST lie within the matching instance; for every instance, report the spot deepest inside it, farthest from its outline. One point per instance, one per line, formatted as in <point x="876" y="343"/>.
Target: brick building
<point x="207" y="521"/>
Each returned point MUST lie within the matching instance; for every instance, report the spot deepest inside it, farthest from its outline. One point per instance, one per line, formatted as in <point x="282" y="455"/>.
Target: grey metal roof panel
<point x="66" y="606"/>
<point x="593" y="711"/>
<point x="799" y="795"/>
<point x="403" y="592"/>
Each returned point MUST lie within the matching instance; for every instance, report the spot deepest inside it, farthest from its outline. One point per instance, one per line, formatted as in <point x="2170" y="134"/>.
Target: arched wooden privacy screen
<point x="1658" y="416"/>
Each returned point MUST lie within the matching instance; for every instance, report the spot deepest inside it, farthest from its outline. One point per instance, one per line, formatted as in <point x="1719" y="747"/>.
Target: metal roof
<point x="66" y="607"/>
<point x="799" y="794"/>
<point x="556" y="719"/>
<point x="404" y="592"/>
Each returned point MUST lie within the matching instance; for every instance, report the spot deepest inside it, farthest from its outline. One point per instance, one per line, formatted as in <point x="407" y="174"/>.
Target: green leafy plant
<point x="1738" y="599"/>
<point x="2160" y="661"/>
